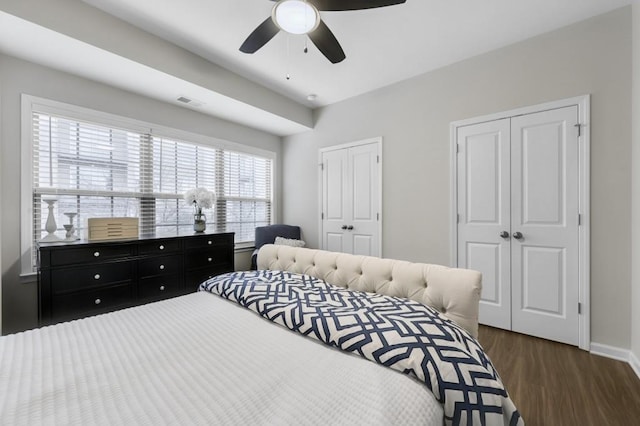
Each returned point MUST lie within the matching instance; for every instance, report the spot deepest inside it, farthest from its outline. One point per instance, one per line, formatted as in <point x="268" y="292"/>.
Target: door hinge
<point x="579" y="219"/>
<point x="378" y="159"/>
<point x="378" y="217"/>
<point x="322" y="216"/>
<point x="579" y="308"/>
<point x="458" y="218"/>
<point x="321" y="166"/>
<point x="457" y="148"/>
<point x="579" y="126"/>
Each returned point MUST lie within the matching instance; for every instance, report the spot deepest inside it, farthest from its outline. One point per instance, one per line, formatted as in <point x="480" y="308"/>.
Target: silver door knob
<point x="350" y="228"/>
<point x="517" y="235"/>
<point x="504" y="234"/>
<point x="343" y="227"/>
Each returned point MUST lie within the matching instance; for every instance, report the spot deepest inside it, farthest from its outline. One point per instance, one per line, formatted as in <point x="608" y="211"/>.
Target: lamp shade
<point x="295" y="16"/>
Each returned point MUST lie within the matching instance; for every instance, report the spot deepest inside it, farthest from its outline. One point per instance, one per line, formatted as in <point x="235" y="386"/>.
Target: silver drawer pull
<point x="161" y="288"/>
<point x="161" y="266"/>
<point x="209" y="242"/>
<point x="161" y="247"/>
<point x="209" y="259"/>
<point x="96" y="277"/>
<point x="96" y="254"/>
<point x="98" y="301"/>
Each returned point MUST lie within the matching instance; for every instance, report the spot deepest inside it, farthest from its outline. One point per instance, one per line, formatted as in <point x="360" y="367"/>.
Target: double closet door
<point x="350" y="187"/>
<point x="518" y="220"/>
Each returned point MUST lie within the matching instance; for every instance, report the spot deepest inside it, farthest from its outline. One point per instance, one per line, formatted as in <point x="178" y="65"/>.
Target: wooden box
<point x="112" y="228"/>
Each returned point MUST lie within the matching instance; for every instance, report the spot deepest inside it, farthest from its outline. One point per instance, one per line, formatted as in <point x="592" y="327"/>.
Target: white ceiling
<point x="383" y="45"/>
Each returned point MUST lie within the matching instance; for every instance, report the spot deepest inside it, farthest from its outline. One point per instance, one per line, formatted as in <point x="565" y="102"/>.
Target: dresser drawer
<point x="84" y="303"/>
<point x="72" y="279"/>
<point x="68" y="256"/>
<point x="162" y="265"/>
<point x="216" y="255"/>
<point x="159" y="247"/>
<point x="210" y="240"/>
<point x="156" y="288"/>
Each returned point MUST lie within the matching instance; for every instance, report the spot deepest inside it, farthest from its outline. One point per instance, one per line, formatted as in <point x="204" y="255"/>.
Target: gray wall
<point x="591" y="57"/>
<point x="17" y="77"/>
<point x="635" y="252"/>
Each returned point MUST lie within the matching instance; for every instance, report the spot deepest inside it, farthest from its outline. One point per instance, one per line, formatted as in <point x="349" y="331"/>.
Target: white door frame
<point x="376" y="140"/>
<point x="584" y="244"/>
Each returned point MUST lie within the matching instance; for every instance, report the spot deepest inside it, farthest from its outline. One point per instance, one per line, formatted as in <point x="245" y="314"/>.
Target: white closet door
<point x="484" y="214"/>
<point x="544" y="224"/>
<point x="364" y="193"/>
<point x="336" y="205"/>
<point x="351" y="199"/>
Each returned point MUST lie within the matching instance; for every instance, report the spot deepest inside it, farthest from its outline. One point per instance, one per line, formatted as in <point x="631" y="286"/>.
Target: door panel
<point x="363" y="245"/>
<point x="483" y="200"/>
<point x="335" y="200"/>
<point x="543" y="174"/>
<point x="544" y="202"/>
<point x="362" y="178"/>
<point x="486" y="259"/>
<point x="542" y="289"/>
<point x="483" y="177"/>
<point x="334" y="242"/>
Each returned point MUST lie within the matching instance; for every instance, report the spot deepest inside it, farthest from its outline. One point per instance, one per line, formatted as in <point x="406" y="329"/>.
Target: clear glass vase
<point x="199" y="222"/>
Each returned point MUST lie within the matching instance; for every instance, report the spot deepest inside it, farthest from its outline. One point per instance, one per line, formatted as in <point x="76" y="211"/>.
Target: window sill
<point x="244" y="247"/>
<point x="29" y="278"/>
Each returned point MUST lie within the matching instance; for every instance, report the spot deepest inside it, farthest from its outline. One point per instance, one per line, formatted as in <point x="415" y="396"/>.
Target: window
<point x="97" y="169"/>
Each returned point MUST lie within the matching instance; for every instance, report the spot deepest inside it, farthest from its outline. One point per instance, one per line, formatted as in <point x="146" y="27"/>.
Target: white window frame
<point x="48" y="106"/>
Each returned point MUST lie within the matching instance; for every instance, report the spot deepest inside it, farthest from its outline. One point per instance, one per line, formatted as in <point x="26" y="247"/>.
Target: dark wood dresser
<point x="80" y="279"/>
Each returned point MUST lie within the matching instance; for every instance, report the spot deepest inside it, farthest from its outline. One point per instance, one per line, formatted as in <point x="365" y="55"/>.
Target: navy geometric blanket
<point x="404" y="335"/>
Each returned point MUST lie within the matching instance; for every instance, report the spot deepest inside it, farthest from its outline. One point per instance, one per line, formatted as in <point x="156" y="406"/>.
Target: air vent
<point x="190" y="102"/>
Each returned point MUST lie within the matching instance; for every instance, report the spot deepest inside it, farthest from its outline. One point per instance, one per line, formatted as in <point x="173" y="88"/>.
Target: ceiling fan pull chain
<point x="288" y="61"/>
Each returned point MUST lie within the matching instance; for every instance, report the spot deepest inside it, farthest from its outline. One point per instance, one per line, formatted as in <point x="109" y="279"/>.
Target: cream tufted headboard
<point x="452" y="291"/>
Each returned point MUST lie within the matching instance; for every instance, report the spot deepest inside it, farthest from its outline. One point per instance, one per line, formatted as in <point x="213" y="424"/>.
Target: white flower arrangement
<point x="200" y="198"/>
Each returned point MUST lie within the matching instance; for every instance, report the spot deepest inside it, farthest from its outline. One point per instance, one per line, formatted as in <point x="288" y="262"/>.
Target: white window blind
<point x="97" y="170"/>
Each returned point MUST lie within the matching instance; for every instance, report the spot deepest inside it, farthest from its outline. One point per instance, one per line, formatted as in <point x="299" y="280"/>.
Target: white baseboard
<point x="617" y="353"/>
<point x="610" y="352"/>
<point x="634" y="363"/>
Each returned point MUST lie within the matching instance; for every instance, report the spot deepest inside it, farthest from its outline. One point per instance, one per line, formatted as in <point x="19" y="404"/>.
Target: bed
<point x="216" y="356"/>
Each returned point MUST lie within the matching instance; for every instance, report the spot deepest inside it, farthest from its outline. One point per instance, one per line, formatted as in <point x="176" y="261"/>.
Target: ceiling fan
<point x="303" y="17"/>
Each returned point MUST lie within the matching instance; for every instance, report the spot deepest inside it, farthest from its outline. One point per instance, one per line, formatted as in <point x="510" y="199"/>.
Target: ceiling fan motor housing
<point x="295" y="16"/>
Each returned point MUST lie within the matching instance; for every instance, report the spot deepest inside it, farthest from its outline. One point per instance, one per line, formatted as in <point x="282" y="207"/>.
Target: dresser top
<point x="181" y="232"/>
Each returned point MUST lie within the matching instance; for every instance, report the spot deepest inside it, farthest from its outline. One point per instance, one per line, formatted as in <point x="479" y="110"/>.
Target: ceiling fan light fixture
<point x="295" y="16"/>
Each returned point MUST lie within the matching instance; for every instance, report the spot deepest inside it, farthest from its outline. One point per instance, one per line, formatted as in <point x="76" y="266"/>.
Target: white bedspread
<point x="196" y="359"/>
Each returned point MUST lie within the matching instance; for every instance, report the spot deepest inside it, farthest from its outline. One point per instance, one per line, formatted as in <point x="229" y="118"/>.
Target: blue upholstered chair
<point x="267" y="235"/>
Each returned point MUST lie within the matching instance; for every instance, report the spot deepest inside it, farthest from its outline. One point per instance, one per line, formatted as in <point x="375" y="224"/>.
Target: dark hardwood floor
<point x="556" y="384"/>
